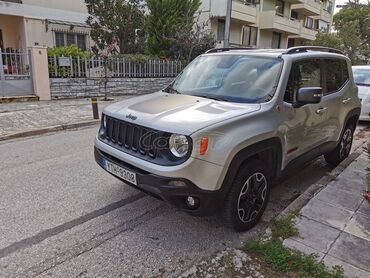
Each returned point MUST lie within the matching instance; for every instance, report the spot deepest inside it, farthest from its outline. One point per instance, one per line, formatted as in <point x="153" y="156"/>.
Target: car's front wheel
<point x="248" y="196"/>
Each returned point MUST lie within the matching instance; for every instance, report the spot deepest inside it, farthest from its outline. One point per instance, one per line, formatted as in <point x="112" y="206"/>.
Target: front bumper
<point x="158" y="186"/>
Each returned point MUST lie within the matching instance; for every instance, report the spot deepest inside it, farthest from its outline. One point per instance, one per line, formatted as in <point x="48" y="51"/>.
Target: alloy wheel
<point x="252" y="197"/>
<point x="346" y="143"/>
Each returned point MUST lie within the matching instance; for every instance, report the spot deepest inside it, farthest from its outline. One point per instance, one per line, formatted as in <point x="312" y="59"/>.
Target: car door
<point x="335" y="96"/>
<point x="304" y="125"/>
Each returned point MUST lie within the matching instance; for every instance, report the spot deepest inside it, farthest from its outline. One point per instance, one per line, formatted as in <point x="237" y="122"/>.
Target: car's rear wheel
<point x="248" y="196"/>
<point x="343" y="149"/>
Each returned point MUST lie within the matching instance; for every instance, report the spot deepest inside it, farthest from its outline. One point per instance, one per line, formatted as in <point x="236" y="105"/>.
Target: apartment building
<point x="26" y="23"/>
<point x="269" y="23"/>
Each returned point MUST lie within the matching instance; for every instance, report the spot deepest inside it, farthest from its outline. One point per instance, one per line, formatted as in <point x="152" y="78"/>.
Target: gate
<point x="15" y="73"/>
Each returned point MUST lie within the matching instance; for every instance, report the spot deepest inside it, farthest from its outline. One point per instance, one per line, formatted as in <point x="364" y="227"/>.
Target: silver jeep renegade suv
<point x="232" y="124"/>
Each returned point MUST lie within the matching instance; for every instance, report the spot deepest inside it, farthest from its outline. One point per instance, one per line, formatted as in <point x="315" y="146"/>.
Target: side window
<point x="336" y="75"/>
<point x="303" y="74"/>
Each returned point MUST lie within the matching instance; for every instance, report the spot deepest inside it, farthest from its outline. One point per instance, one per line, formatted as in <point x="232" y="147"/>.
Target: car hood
<point x="363" y="91"/>
<point x="176" y="113"/>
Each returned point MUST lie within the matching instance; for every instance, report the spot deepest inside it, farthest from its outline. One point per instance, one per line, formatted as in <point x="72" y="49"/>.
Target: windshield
<point x="236" y="78"/>
<point x="361" y="76"/>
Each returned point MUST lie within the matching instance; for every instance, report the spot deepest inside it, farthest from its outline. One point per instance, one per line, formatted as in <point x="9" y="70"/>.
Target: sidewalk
<point x="24" y="117"/>
<point x="335" y="223"/>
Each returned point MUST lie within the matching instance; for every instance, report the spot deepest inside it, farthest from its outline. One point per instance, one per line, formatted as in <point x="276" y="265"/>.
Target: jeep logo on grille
<point x="132" y="117"/>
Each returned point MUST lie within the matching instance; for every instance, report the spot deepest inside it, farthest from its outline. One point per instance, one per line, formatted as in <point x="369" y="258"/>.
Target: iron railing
<point x="15" y="64"/>
<point x="98" y="67"/>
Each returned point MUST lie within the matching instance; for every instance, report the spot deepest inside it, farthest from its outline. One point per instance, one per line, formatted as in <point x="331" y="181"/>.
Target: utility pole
<point x="228" y="23"/>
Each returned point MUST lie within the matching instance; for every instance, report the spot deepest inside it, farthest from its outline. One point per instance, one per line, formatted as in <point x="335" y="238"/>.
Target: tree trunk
<point x="122" y="44"/>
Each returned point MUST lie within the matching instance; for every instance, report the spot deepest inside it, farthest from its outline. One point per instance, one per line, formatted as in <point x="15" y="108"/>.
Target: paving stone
<point x="327" y="214"/>
<point x="352" y="250"/>
<point x="351" y="180"/>
<point x="350" y="271"/>
<point x="341" y="198"/>
<point x="364" y="208"/>
<point x="359" y="226"/>
<point x="293" y="244"/>
<point x="315" y="235"/>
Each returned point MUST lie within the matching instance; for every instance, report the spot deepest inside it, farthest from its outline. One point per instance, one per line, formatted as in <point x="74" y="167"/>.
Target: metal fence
<point x="98" y="67"/>
<point x="15" y="73"/>
<point x="15" y="64"/>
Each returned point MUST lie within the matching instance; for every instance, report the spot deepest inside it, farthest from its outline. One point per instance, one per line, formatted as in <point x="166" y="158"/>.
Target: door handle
<point x="321" y="110"/>
<point x="345" y="101"/>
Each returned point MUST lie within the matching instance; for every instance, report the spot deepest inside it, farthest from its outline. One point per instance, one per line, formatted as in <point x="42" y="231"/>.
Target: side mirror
<point x="308" y="95"/>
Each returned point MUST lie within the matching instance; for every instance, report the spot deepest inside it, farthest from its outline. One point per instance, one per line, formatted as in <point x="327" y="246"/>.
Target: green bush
<point x="68" y="51"/>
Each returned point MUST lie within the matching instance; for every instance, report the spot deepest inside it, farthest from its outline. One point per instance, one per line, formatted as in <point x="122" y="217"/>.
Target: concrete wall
<point x="83" y="87"/>
<point x="11" y="26"/>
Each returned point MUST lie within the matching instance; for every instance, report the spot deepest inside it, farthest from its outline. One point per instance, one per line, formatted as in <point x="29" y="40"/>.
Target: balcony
<point x="241" y="10"/>
<point x="308" y="7"/>
<point x="305" y="33"/>
<point x="270" y="20"/>
<point x="326" y="15"/>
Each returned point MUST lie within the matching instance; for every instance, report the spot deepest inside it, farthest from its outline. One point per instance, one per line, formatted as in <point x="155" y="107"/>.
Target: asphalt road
<point x="63" y="216"/>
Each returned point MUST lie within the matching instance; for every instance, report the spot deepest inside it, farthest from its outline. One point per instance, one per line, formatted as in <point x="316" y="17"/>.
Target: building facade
<point x="50" y="23"/>
<point x="269" y="23"/>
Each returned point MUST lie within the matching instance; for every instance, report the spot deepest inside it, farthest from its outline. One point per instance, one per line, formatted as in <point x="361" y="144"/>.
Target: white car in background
<point x="361" y="76"/>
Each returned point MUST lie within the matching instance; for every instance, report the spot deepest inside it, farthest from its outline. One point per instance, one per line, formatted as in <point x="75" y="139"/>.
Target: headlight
<point x="179" y="145"/>
<point x="104" y="121"/>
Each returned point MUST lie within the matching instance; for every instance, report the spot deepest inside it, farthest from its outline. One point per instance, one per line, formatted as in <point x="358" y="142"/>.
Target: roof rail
<point x="216" y="50"/>
<point x="298" y="49"/>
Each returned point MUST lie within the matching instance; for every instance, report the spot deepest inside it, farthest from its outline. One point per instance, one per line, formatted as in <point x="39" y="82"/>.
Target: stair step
<point x="18" y="99"/>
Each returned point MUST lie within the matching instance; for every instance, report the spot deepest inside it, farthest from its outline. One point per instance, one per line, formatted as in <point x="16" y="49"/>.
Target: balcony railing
<point x="271" y="20"/>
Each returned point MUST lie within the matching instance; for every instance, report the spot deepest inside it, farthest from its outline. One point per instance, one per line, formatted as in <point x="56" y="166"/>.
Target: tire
<point x="343" y="149"/>
<point x="247" y="199"/>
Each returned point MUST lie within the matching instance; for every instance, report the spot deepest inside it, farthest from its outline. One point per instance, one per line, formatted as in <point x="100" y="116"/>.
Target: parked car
<point x="231" y="125"/>
<point x="361" y="75"/>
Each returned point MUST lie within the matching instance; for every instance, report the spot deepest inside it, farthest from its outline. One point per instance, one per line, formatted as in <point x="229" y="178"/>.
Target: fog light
<point x="192" y="202"/>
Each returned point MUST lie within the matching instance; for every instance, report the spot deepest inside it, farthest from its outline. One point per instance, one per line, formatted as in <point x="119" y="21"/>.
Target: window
<point x="250" y="2"/>
<point x="294" y="15"/>
<point x="279" y="7"/>
<point x="328" y="6"/>
<point x="59" y="39"/>
<point x="276" y="38"/>
<point x="71" y="39"/>
<point x="291" y="42"/>
<point x="323" y="25"/>
<point x="250" y="35"/>
<point x="309" y="22"/>
<point x="336" y="75"/>
<point x="81" y="42"/>
<point x="303" y="74"/>
<point x="361" y="76"/>
<point x="65" y="39"/>
<point x="221" y="30"/>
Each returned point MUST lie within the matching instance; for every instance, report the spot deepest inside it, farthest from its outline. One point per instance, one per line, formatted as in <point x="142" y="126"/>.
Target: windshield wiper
<point x="212" y="97"/>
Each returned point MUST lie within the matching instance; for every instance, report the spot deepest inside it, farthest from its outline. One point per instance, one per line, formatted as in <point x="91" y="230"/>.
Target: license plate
<point x="120" y="172"/>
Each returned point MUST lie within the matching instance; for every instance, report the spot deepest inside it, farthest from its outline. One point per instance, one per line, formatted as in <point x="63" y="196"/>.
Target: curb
<point x="313" y="189"/>
<point x="49" y="129"/>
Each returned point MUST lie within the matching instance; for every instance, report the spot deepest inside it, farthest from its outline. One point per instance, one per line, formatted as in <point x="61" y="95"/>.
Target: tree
<point x="165" y="19"/>
<point x="193" y="39"/>
<point x="121" y="19"/>
<point x="352" y="32"/>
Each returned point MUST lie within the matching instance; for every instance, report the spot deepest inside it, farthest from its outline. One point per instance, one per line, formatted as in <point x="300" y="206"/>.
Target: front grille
<point x="132" y="138"/>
